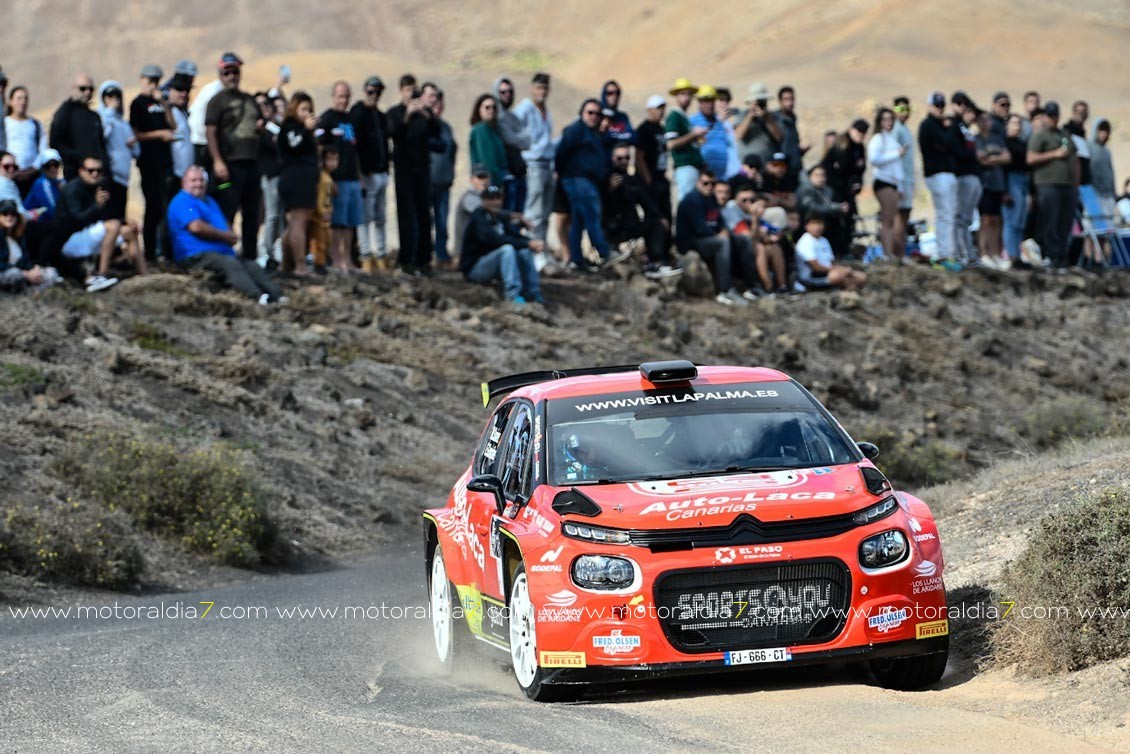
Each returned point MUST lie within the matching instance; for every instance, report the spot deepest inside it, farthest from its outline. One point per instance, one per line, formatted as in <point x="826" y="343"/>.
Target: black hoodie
<point x="76" y="131"/>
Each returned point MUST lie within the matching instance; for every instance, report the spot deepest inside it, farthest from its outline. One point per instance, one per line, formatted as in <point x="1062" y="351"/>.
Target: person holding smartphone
<point x="1055" y="174"/>
<point x="153" y="124"/>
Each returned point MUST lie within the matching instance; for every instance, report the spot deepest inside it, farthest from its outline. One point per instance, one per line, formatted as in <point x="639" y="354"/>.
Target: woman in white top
<point x="26" y="136"/>
<point x="885" y="156"/>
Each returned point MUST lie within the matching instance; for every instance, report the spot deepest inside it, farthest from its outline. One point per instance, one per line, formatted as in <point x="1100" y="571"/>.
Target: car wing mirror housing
<point x="489" y="483"/>
<point x="869" y="450"/>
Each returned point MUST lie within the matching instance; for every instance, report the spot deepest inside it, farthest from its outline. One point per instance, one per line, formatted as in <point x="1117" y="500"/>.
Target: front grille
<point x="744" y="530"/>
<point x="745" y="607"/>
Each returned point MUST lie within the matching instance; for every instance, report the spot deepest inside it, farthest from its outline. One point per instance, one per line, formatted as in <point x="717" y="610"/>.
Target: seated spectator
<point x="699" y="227"/>
<point x="751" y="172"/>
<point x="84" y="231"/>
<point x="816" y="267"/>
<point x="780" y="182"/>
<point x="1123" y="203"/>
<point x="17" y="273"/>
<point x="43" y="198"/>
<point x="491" y="251"/>
<point x="8" y="187"/>
<point x="815" y="197"/>
<point x="743" y="216"/>
<point x="471" y="200"/>
<point x="203" y="240"/>
<point x="625" y="196"/>
<point x="722" y="192"/>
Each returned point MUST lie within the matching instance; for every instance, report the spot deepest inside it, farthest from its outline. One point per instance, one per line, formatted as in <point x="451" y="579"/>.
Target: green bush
<point x="1075" y="561"/>
<point x="1051" y="423"/>
<point x="916" y="465"/>
<point x="204" y="499"/>
<point x="19" y="375"/>
<point x="149" y="338"/>
<point x="73" y="543"/>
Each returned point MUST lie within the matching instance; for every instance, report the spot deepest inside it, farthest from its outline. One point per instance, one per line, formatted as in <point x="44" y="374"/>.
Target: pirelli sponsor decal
<point x="932" y="629"/>
<point x="562" y="660"/>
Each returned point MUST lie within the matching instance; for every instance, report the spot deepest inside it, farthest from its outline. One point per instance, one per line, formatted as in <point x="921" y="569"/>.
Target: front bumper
<point x="631" y="673"/>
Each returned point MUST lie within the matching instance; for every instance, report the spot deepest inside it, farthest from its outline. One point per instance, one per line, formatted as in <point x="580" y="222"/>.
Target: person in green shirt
<point x="683" y="140"/>
<point x="1055" y="174"/>
<point x="487" y="147"/>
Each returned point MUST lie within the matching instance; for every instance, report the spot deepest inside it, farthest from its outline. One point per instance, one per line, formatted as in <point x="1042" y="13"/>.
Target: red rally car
<point x="618" y="523"/>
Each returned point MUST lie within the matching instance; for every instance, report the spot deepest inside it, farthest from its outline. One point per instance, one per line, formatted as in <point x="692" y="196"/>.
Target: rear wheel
<point x="449" y="632"/>
<point x="910" y="673"/>
<point x="523" y="646"/>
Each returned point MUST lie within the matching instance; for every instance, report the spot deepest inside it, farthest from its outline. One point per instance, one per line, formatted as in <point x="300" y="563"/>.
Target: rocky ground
<point x="357" y="402"/>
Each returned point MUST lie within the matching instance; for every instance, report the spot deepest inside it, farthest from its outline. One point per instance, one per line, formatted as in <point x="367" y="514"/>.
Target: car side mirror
<point x="869" y="450"/>
<point x="492" y="484"/>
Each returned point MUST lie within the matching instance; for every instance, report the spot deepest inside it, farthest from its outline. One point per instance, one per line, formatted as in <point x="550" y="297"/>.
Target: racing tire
<point x="910" y="673"/>
<point x="450" y="635"/>
<point x="523" y="646"/>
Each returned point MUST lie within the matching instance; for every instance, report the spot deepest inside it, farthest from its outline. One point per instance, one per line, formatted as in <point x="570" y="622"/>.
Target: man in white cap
<point x="651" y="155"/>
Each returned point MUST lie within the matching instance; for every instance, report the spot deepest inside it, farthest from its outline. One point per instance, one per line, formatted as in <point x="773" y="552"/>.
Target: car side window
<point x="516" y="468"/>
<point x="488" y="449"/>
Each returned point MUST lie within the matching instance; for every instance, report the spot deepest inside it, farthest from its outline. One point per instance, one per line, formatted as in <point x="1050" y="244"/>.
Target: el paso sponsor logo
<point x="562" y="659"/>
<point x="932" y="629"/>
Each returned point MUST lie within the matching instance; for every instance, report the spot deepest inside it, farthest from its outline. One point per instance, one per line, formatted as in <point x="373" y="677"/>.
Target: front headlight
<point x="883" y="549"/>
<point x="879" y="510"/>
<point x="603" y="572"/>
<point x="596" y="534"/>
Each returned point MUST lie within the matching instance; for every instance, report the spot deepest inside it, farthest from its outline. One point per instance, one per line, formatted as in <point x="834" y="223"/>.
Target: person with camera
<point x="153" y="124"/>
<point x="758" y="131"/>
<point x="412" y="126"/>
<point x="86" y="230"/>
<point x="298" y="177"/>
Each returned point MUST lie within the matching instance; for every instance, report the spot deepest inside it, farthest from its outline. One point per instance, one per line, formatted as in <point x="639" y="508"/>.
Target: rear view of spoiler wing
<point x="656" y="372"/>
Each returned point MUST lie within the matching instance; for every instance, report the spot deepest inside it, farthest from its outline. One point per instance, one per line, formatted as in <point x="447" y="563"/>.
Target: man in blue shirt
<point x="718" y="141"/>
<point x="203" y="240"/>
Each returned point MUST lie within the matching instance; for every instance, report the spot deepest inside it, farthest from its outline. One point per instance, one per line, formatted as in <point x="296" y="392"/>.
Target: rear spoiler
<point x="666" y="371"/>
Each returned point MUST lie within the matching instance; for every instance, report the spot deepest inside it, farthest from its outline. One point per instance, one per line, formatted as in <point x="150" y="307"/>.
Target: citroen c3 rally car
<point x="617" y="523"/>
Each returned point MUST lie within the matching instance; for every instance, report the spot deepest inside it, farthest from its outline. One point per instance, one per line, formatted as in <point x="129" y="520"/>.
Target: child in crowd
<point x="17" y="273"/>
<point x="815" y="261"/>
<point x="319" y="228"/>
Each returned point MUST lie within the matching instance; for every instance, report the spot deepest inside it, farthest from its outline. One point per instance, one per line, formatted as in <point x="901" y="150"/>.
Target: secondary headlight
<point x="596" y="534"/>
<point x="879" y="510"/>
<point x="603" y="572"/>
<point x="884" y="549"/>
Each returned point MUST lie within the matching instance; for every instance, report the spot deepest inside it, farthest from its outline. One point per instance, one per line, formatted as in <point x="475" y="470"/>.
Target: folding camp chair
<point x="1096" y="225"/>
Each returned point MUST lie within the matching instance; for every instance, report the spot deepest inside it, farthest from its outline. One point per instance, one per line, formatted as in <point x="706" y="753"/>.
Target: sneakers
<point x="585" y="266"/>
<point x="264" y="300"/>
<point x="369" y="264"/>
<point x="660" y="271"/>
<point x="751" y="295"/>
<point x="96" y="283"/>
<point x="731" y="298"/>
<point x="616" y="258"/>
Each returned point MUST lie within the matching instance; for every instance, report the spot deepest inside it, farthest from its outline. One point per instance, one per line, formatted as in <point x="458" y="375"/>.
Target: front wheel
<point x="524" y="649"/>
<point x="448" y="630"/>
<point x="910" y="673"/>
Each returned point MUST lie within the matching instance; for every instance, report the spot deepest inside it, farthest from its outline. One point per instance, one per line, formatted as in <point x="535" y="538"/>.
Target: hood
<point x="494" y="91"/>
<point x="717" y="500"/>
<point x="603" y="88"/>
<point x="1095" y="128"/>
<point x="103" y="109"/>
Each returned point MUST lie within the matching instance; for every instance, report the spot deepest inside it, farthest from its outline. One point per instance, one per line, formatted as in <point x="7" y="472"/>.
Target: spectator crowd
<point x="701" y="173"/>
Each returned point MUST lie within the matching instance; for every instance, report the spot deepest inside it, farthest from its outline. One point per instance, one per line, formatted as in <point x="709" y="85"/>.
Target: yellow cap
<point x="682" y="84"/>
<point x="706" y="91"/>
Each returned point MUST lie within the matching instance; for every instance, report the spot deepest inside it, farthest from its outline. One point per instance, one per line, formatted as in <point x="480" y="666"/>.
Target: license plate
<point x="754" y="656"/>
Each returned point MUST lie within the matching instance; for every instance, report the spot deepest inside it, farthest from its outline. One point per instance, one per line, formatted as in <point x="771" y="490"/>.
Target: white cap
<point x="655" y="100"/>
<point x="46" y="156"/>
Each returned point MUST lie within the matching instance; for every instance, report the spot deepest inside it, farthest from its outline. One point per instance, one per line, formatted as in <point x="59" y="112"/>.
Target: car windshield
<point x="676" y="433"/>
